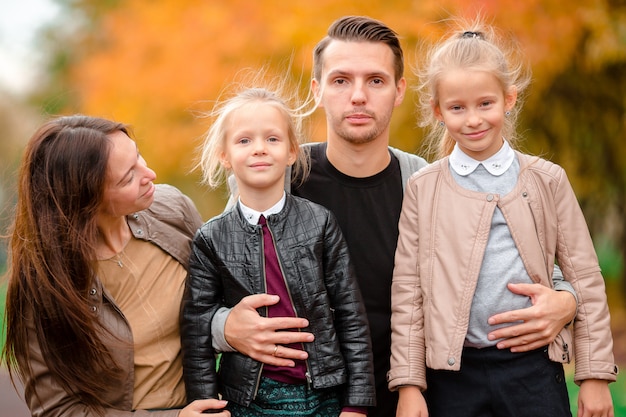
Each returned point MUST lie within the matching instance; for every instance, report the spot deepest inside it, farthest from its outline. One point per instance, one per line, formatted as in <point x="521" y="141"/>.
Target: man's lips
<point x="358" y="117"/>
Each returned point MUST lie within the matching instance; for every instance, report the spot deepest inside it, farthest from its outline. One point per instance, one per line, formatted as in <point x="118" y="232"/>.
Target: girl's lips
<point x="260" y="165"/>
<point x="476" y="135"/>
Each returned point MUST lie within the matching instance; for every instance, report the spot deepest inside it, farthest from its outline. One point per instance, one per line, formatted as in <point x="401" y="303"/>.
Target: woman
<point x="98" y="263"/>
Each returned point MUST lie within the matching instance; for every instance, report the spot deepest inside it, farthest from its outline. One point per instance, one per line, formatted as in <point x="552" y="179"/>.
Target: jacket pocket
<point x="561" y="349"/>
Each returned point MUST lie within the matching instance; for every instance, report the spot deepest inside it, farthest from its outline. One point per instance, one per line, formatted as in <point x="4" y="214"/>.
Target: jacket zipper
<point x="565" y="355"/>
<point x="258" y="378"/>
<point x="532" y="215"/>
<point x="307" y="374"/>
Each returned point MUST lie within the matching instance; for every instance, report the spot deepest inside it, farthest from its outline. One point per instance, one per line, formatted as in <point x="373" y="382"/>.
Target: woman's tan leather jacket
<point x="443" y="234"/>
<point x="170" y="223"/>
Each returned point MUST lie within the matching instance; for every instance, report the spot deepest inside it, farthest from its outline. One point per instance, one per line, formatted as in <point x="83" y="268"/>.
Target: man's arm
<point x="242" y="329"/>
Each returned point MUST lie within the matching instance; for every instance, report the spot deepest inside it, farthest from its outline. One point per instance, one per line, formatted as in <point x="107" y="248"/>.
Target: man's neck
<point x="358" y="160"/>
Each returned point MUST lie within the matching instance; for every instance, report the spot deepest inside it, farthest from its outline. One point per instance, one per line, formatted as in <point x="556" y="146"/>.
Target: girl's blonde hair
<point x="473" y="45"/>
<point x="276" y="93"/>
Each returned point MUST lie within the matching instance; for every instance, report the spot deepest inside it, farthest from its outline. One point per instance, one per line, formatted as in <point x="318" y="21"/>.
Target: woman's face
<point x="128" y="187"/>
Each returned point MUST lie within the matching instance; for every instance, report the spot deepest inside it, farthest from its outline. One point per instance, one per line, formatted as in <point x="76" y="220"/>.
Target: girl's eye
<point x="244" y="141"/>
<point x="272" y="139"/>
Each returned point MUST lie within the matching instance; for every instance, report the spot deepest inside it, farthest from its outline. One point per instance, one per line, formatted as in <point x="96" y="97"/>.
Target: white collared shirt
<point x="496" y="164"/>
<point x="252" y="216"/>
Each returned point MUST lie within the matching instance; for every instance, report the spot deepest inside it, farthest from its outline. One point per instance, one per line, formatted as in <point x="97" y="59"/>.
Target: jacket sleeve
<point x="200" y="302"/>
<point x="350" y="318"/>
<point x="45" y="397"/>
<point x="593" y="343"/>
<point x="408" y="360"/>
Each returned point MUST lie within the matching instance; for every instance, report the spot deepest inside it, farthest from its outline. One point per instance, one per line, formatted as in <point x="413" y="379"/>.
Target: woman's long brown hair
<point x="52" y="240"/>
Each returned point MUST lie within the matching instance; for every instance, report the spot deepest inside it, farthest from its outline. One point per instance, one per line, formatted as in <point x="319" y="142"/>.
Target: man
<point x="358" y="81"/>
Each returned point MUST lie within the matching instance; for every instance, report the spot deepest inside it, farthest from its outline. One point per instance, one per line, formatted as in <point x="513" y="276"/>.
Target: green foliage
<point x="610" y="258"/>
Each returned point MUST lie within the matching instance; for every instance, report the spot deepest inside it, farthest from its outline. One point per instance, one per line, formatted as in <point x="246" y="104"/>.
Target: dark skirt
<point x="289" y="400"/>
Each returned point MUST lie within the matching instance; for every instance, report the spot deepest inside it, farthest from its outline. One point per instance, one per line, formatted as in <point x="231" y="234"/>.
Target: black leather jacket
<point x="227" y="264"/>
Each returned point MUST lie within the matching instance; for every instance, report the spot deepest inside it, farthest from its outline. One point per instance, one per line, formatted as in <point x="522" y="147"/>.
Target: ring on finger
<point x="275" y="350"/>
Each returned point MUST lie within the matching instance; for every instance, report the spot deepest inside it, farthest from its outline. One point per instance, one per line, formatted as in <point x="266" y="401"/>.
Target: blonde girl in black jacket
<point x="273" y="242"/>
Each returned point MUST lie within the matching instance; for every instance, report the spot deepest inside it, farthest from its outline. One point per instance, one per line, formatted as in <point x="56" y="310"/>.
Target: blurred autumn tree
<point x="153" y="63"/>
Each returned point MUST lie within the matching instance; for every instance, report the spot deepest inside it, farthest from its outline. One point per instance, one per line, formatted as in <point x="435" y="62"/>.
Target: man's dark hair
<point x="359" y="29"/>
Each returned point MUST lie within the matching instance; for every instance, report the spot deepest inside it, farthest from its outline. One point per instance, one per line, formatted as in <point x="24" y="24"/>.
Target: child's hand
<point x="594" y="399"/>
<point x="411" y="402"/>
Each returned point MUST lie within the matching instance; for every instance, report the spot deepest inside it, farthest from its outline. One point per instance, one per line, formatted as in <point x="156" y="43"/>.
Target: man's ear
<point x="400" y="92"/>
<point x="316" y="89"/>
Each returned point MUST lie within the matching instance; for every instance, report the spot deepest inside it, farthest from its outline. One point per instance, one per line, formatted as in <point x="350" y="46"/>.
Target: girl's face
<point x="257" y="147"/>
<point x="473" y="104"/>
<point x="129" y="187"/>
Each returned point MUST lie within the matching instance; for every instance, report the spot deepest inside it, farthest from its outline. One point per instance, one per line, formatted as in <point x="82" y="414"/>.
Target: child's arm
<point x="594" y="399"/>
<point x="411" y="402"/>
<point x="350" y="318"/>
<point x="575" y="253"/>
<point x="200" y="301"/>
<point x="408" y="342"/>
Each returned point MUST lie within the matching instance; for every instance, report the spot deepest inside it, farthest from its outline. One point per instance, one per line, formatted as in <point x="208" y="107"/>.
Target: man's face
<point x="358" y="90"/>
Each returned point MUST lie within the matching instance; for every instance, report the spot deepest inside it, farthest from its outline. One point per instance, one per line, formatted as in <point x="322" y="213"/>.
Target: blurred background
<point x="157" y="64"/>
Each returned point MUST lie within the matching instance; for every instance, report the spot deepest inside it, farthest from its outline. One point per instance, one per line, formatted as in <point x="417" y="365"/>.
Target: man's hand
<point x="541" y="323"/>
<point x="263" y="338"/>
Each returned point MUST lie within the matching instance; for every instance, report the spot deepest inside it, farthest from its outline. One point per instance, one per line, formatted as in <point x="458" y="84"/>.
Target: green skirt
<point x="289" y="400"/>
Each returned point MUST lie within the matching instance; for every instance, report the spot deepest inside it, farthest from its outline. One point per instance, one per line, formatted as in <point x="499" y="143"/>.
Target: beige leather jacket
<point x="170" y="223"/>
<point x="443" y="234"/>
